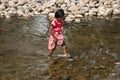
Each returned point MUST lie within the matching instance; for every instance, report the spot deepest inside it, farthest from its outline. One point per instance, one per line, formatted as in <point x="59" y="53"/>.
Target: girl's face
<point x="59" y="19"/>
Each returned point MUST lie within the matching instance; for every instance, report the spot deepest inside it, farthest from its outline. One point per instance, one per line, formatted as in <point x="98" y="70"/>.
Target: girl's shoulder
<point x="53" y="22"/>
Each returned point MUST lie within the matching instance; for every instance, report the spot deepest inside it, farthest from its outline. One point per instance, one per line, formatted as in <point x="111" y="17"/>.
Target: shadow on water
<point x="94" y="44"/>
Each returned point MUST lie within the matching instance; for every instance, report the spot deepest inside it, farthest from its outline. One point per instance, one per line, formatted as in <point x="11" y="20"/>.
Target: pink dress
<point x="57" y="32"/>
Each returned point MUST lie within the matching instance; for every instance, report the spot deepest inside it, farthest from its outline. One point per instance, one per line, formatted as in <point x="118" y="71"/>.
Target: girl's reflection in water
<point x="51" y="63"/>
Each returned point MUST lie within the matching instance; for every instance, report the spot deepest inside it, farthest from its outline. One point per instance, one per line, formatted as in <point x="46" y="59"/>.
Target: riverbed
<point x="94" y="44"/>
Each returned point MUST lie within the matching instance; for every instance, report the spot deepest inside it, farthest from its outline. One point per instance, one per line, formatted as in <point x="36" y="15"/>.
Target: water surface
<point x="94" y="44"/>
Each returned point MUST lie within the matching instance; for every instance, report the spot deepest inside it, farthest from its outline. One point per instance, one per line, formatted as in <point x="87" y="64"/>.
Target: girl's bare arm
<point x="51" y="33"/>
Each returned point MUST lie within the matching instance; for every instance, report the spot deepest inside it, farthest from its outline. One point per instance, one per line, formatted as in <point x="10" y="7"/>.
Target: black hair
<point x="59" y="13"/>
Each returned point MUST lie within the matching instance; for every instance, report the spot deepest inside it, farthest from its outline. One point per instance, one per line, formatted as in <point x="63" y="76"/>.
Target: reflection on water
<point x="94" y="44"/>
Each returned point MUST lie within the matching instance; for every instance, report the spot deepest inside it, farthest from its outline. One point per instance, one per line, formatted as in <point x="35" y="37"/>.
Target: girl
<point x="56" y="36"/>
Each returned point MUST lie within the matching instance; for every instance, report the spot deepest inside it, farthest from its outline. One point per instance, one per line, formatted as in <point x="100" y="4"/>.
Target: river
<point x="94" y="44"/>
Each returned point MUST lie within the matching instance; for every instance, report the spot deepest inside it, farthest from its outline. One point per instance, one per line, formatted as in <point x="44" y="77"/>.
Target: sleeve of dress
<point x="53" y="23"/>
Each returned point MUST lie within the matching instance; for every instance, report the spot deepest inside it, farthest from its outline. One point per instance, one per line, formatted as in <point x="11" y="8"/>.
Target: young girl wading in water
<point x="56" y="35"/>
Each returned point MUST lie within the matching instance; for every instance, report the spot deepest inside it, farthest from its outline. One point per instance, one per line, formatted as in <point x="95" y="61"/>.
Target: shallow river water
<point x="94" y="44"/>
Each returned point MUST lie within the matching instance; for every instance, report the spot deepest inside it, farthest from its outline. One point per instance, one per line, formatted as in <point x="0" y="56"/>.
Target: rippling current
<point x="94" y="44"/>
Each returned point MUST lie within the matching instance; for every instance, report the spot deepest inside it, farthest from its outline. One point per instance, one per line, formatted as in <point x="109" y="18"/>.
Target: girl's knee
<point x="65" y="47"/>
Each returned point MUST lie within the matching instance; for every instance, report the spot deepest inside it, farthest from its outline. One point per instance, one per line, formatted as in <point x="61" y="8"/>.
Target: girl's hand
<point x="55" y="39"/>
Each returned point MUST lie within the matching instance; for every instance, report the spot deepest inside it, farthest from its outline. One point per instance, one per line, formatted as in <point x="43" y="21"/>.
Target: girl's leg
<point x="66" y="55"/>
<point x="50" y="52"/>
<point x="65" y="49"/>
<point x="51" y="48"/>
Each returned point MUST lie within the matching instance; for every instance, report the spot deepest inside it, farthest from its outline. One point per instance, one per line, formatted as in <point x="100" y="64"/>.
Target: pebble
<point x="77" y="20"/>
<point x="74" y="8"/>
<point x="70" y="59"/>
<point x="118" y="63"/>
